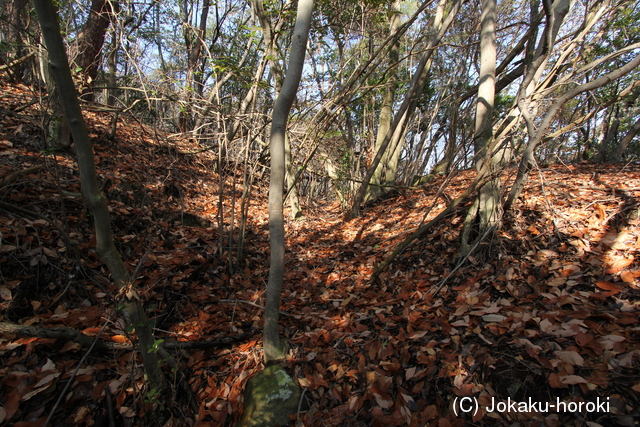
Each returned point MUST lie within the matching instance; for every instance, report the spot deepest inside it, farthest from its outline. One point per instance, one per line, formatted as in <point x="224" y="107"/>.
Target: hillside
<point x="552" y="315"/>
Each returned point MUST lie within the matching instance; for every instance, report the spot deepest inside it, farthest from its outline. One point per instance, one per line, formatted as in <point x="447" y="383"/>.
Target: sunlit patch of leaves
<point x="552" y="314"/>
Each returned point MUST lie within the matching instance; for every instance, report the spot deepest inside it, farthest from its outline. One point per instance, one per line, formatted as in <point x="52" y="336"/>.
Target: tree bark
<point x="408" y="105"/>
<point x="90" y="42"/>
<point x="624" y="143"/>
<point x="274" y="347"/>
<point x="59" y="66"/>
<point x="386" y="111"/>
<point x="273" y="54"/>
<point x="485" y="214"/>
<point x="15" y="32"/>
<point x="527" y="161"/>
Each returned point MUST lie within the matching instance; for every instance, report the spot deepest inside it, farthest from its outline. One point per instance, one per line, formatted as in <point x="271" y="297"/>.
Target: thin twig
<point x="234" y="301"/>
<point x="110" y="410"/>
<point x="84" y="358"/>
<point x="461" y="262"/>
<point x="304" y="390"/>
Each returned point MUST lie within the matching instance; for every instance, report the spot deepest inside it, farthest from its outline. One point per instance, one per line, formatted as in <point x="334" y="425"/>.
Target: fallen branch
<point x="70" y="334"/>
<point x="6" y="180"/>
<point x="479" y="182"/>
<point x="17" y="62"/>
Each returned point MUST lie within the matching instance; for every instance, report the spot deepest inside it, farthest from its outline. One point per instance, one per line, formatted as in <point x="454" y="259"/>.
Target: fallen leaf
<point x="47" y="379"/>
<point x="127" y="412"/>
<point x="608" y="286"/>
<point x="616" y="266"/>
<point x="11" y="404"/>
<point x="493" y="318"/>
<point x="608" y="341"/>
<point x="410" y="373"/>
<point x="120" y="339"/>
<point x="417" y="335"/>
<point x="570" y="357"/>
<point x="573" y="379"/>
<point x="5" y="293"/>
<point x="48" y="366"/>
<point x="382" y="399"/>
<point x="92" y="332"/>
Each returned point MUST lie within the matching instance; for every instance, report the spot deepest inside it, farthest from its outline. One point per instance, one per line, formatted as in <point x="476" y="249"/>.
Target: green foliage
<point x="156" y="346"/>
<point x="503" y="101"/>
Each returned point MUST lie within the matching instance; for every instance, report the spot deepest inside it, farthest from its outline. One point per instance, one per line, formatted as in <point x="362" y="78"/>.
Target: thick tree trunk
<point x="624" y="143"/>
<point x="15" y="32"/>
<point x="59" y="66"/>
<point x="90" y="42"/>
<point x="274" y="347"/>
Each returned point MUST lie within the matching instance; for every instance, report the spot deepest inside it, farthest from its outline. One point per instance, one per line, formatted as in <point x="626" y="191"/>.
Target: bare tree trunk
<point x="15" y="32"/>
<point x="622" y="145"/>
<point x="197" y="60"/>
<point x="444" y="165"/>
<point x="526" y="163"/>
<point x="59" y="65"/>
<point x="610" y="135"/>
<point x="112" y="81"/>
<point x="90" y="42"/>
<point x="274" y="55"/>
<point x="292" y="188"/>
<point x="274" y="347"/>
<point x="484" y="214"/>
<point x="386" y="111"/>
<point x="406" y="109"/>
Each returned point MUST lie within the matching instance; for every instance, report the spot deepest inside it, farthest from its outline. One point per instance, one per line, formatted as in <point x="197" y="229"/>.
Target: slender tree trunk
<point x="408" y="105"/>
<point x="526" y="163"/>
<point x="47" y="15"/>
<point x="484" y="214"/>
<point x="386" y="111"/>
<point x="194" y="44"/>
<point x="112" y="81"/>
<point x="274" y="346"/>
<point x="293" y="197"/>
<point x="112" y="67"/>
<point x="198" y="61"/>
<point x="274" y="55"/>
<point x="444" y="165"/>
<point x="609" y="136"/>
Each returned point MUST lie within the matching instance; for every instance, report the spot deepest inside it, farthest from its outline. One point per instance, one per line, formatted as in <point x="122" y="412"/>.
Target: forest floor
<point x="549" y="318"/>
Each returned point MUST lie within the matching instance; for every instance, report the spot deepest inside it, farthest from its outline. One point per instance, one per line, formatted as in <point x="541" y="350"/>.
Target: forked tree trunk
<point x="407" y="108"/>
<point x="527" y="161"/>
<point x="624" y="143"/>
<point x="274" y="347"/>
<point x="59" y="65"/>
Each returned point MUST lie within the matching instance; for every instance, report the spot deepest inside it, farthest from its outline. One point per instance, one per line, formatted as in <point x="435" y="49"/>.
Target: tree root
<point x="71" y="334"/>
